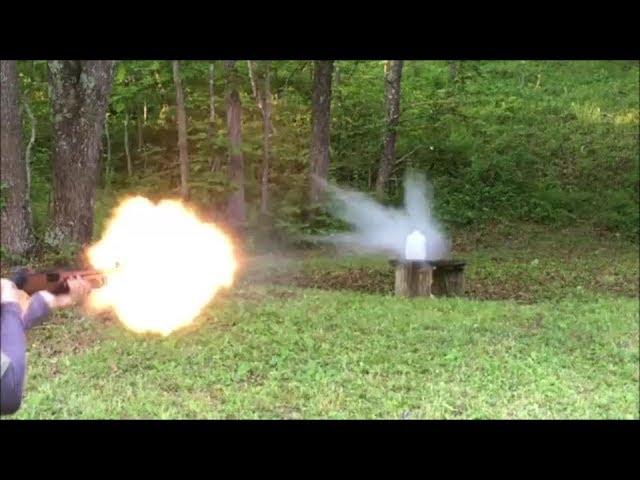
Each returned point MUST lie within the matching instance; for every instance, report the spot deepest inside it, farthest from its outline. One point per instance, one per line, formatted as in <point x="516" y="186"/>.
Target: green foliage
<point x="65" y="255"/>
<point x="8" y="258"/>
<point x="552" y="142"/>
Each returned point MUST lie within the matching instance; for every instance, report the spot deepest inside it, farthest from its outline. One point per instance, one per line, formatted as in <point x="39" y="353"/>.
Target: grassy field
<point x="549" y="330"/>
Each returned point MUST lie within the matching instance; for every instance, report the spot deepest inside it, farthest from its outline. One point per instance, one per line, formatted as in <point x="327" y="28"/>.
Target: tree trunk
<point x="216" y="162"/>
<point x="258" y="94"/>
<point x="15" y="213"/>
<point x="413" y="279"/>
<point x="107" y="167"/>
<point x="453" y="71"/>
<point x="254" y="86"/>
<point x="266" y="133"/>
<point x="320" y="125"/>
<point x="140" y="132"/>
<point x="79" y="97"/>
<point x="32" y="139"/>
<point x="126" y="144"/>
<point x="393" y="75"/>
<point x="212" y="119"/>
<point x="263" y="99"/>
<point x="448" y="278"/>
<point x="236" y="205"/>
<point x="182" y="132"/>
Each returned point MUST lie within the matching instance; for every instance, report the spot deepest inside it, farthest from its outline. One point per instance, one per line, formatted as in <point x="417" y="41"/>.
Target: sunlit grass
<point x="268" y="352"/>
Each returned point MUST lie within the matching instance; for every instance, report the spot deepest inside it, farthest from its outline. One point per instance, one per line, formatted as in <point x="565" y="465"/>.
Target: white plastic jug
<point x="416" y="247"/>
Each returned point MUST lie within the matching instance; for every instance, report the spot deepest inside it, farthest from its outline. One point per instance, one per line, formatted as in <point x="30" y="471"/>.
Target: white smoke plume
<point x="380" y="229"/>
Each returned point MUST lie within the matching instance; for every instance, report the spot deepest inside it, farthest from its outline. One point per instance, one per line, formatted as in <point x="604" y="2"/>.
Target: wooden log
<point x="448" y="278"/>
<point x="413" y="279"/>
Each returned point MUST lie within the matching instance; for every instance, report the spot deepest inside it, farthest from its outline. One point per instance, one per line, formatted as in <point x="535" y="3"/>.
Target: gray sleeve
<point x="13" y="359"/>
<point x="37" y="311"/>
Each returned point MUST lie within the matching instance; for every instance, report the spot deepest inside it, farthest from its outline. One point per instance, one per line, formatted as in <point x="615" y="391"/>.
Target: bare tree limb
<point x="257" y="95"/>
<point x="398" y="163"/>
<point x="32" y="139"/>
<point x="126" y="143"/>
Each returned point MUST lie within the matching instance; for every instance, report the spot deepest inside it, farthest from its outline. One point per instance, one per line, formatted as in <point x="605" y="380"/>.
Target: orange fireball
<point x="170" y="265"/>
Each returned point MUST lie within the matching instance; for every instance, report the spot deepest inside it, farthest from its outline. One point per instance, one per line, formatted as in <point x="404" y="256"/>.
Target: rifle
<point x="55" y="281"/>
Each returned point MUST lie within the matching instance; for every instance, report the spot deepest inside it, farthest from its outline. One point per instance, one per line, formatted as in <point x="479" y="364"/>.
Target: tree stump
<point x="448" y="278"/>
<point x="413" y="278"/>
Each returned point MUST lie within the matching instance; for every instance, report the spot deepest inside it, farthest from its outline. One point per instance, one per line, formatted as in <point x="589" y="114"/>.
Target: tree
<point x="213" y="160"/>
<point x="108" y="168"/>
<point x="320" y="124"/>
<point x="32" y="139"/>
<point x="392" y="78"/>
<point x="263" y="99"/>
<point x="236" y="206"/>
<point x="139" y="116"/>
<point x="79" y="96"/>
<point x="15" y="207"/>
<point x="453" y="70"/>
<point x="126" y="143"/>
<point x="182" y="132"/>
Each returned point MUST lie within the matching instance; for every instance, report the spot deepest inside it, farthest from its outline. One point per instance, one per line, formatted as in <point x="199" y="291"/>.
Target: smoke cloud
<point x="380" y="229"/>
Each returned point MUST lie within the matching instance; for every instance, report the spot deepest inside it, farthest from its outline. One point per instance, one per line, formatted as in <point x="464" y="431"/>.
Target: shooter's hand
<point x="78" y="291"/>
<point x="8" y="292"/>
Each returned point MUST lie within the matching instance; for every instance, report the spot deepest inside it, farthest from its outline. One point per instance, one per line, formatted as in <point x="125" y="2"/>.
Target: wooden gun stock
<point x="55" y="281"/>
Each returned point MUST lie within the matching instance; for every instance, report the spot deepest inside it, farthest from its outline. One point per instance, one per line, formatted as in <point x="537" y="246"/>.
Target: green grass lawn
<point x="565" y="348"/>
